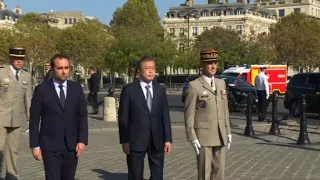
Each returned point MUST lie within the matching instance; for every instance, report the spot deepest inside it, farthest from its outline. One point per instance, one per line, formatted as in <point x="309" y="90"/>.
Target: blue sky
<point x="102" y="9"/>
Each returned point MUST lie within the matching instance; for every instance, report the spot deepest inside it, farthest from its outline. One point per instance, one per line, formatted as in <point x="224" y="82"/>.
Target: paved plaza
<point x="261" y="157"/>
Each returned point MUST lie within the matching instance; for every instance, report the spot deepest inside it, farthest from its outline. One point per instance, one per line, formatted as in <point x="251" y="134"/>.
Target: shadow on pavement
<point x="110" y="176"/>
<point x="306" y="147"/>
<point x="263" y="134"/>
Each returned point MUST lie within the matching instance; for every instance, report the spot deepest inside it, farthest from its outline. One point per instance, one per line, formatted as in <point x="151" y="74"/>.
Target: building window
<point x="296" y="10"/>
<point x="238" y="12"/>
<point x="281" y="13"/>
<point x="195" y="31"/>
<point x="65" y="20"/>
<point x="229" y="27"/>
<point x="228" y="12"/>
<point x="239" y="29"/>
<point x="181" y="31"/>
<point x="171" y="31"/>
<point x="74" y="20"/>
<point x="181" y="47"/>
<point x="171" y="15"/>
<point x="70" y="20"/>
<point x="214" y="13"/>
<point x="205" y="28"/>
<point x="204" y="14"/>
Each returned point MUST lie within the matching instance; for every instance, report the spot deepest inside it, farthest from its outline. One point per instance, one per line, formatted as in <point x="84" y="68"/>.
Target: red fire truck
<point x="277" y="75"/>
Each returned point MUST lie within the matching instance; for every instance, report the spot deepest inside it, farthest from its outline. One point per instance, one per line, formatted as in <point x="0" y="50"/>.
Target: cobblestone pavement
<point x="263" y="157"/>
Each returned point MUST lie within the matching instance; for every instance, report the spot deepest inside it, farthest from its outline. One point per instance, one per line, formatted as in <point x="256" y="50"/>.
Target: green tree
<point x="85" y="43"/>
<point x="137" y="14"/>
<point x="296" y="42"/>
<point x="136" y="27"/>
<point x="8" y="39"/>
<point x="231" y="47"/>
<point x="33" y="34"/>
<point x="260" y="50"/>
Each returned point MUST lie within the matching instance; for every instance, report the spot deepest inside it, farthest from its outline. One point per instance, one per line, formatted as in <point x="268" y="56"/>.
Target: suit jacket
<point x="48" y="75"/>
<point x="206" y="112"/>
<point x="137" y="124"/>
<point x="94" y="83"/>
<point x="59" y="126"/>
<point x="15" y="97"/>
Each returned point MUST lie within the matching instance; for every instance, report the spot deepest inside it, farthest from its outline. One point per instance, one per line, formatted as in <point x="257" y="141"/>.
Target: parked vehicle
<point x="277" y="75"/>
<point x="238" y="90"/>
<point x="303" y="83"/>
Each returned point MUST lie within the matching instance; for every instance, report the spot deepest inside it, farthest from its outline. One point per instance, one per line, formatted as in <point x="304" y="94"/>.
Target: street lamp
<point x="48" y="19"/>
<point x="187" y="14"/>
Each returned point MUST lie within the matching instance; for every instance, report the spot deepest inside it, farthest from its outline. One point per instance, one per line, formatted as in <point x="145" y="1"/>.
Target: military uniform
<point x="15" y="99"/>
<point x="207" y="120"/>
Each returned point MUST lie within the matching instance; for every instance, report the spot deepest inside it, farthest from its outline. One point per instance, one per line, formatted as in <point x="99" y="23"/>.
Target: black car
<point x="307" y="84"/>
<point x="238" y="90"/>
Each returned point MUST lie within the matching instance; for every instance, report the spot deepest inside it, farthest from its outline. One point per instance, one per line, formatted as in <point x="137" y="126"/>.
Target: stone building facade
<point x="7" y="17"/>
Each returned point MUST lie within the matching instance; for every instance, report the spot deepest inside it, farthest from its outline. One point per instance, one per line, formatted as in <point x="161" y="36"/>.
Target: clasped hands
<point x="196" y="144"/>
<point x="126" y="148"/>
<point x="37" y="154"/>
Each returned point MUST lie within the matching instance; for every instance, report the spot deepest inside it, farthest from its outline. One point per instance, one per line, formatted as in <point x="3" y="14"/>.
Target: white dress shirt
<point x="208" y="80"/>
<point x="14" y="71"/>
<point x="261" y="82"/>
<point x="143" y="86"/>
<point x="56" y="86"/>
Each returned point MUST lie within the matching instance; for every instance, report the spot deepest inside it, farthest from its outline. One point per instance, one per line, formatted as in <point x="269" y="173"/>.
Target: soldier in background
<point x="207" y="119"/>
<point x="15" y="99"/>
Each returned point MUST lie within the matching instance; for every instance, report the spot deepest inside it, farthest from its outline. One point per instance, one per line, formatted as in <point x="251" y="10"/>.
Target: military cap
<point x="17" y="52"/>
<point x="208" y="55"/>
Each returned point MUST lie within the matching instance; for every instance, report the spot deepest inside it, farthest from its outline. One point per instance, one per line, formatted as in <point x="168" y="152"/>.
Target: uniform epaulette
<point x="25" y="70"/>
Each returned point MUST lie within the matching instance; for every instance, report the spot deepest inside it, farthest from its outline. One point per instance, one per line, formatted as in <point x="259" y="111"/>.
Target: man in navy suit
<point x="144" y="123"/>
<point x="59" y="106"/>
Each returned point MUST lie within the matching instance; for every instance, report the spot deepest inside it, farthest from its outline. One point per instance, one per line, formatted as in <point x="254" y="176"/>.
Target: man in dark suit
<point x="48" y="72"/>
<point x="144" y="123"/>
<point x="94" y="89"/>
<point x="61" y="106"/>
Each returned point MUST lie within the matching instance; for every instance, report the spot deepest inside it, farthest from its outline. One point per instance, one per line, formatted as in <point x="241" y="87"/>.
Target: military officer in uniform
<point x="207" y="119"/>
<point x="15" y="99"/>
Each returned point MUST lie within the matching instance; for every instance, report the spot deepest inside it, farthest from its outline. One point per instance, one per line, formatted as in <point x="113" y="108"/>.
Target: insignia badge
<point x="223" y="92"/>
<point x="203" y="104"/>
<point x="6" y="80"/>
<point x="25" y="82"/>
<point x="5" y="89"/>
<point x="204" y="92"/>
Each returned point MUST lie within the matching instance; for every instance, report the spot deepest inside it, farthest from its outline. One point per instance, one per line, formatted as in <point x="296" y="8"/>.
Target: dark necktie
<point x="17" y="75"/>
<point x="62" y="96"/>
<point x="149" y="97"/>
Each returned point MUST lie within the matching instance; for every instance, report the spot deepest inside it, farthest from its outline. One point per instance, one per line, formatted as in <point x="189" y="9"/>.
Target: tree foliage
<point x="34" y="35"/>
<point x="138" y="32"/>
<point x="137" y="14"/>
<point x="8" y="39"/>
<point x="260" y="50"/>
<point x="296" y="42"/>
<point x="85" y="42"/>
<point x="231" y="47"/>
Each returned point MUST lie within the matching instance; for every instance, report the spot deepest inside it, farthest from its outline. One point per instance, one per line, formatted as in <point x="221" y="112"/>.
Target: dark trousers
<point x="60" y="165"/>
<point x="262" y="104"/>
<point x="135" y="162"/>
<point x="93" y="99"/>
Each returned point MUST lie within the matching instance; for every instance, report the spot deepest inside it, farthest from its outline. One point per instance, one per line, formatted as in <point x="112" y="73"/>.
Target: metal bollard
<point x="249" y="128"/>
<point x="303" y="135"/>
<point x="274" y="129"/>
